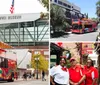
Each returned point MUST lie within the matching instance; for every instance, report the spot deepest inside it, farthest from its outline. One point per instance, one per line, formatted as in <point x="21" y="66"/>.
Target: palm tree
<point x="58" y="18"/>
<point x="79" y="50"/>
<point x="97" y="50"/>
<point x="83" y="57"/>
<point x="45" y="3"/>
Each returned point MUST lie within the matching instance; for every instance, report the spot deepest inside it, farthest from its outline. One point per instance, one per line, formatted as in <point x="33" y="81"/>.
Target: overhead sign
<point x="87" y="48"/>
<point x="87" y="52"/>
<point x="10" y="17"/>
<point x="15" y="18"/>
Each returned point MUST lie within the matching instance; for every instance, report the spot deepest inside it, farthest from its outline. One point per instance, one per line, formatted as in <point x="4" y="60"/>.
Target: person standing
<point x="25" y="76"/>
<point x="59" y="75"/>
<point x="33" y="75"/>
<point x="43" y="76"/>
<point x="91" y="73"/>
<point x="76" y="73"/>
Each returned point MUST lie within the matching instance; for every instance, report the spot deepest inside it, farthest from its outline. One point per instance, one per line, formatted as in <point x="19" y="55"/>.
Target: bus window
<point x="5" y="63"/>
<point x="88" y="26"/>
<point x="2" y="62"/>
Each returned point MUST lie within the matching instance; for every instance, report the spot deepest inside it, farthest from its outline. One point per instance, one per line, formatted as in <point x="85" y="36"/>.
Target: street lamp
<point x="37" y="60"/>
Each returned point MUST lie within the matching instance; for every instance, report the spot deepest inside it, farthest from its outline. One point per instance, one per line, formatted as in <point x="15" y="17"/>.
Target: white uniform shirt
<point x="60" y="76"/>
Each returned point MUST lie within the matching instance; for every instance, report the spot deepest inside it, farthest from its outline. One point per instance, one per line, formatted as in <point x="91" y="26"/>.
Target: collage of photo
<point x="50" y="42"/>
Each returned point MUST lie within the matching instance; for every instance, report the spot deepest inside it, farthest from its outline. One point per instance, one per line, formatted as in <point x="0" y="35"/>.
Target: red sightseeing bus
<point x="8" y="65"/>
<point x="83" y="26"/>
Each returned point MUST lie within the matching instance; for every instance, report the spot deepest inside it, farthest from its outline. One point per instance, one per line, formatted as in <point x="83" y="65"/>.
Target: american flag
<point x="12" y="7"/>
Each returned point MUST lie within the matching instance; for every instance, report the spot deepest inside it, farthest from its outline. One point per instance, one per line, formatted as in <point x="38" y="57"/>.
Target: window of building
<point x="69" y="6"/>
<point x="55" y="0"/>
<point x="64" y="4"/>
<point x="59" y="2"/>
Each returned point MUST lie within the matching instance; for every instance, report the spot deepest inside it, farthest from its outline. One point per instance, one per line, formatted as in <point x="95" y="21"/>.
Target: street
<point x="28" y="82"/>
<point x="77" y="37"/>
<point x="20" y="81"/>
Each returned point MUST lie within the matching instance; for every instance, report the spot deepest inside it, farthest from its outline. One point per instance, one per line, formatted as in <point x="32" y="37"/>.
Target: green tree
<point x="87" y="16"/>
<point x="45" y="3"/>
<point x="42" y="62"/>
<point x="98" y="8"/>
<point x="58" y="18"/>
<point x="97" y="50"/>
<point x="83" y="57"/>
<point x="95" y="19"/>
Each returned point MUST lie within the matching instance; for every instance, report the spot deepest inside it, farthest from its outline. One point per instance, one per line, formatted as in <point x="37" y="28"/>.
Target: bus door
<point x="88" y="28"/>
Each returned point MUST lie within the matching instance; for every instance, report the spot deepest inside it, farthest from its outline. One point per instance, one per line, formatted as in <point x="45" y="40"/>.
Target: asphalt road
<point x="77" y="37"/>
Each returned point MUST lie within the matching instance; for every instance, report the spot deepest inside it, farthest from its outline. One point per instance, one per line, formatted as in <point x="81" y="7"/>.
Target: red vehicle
<point x="8" y="65"/>
<point x="84" y="25"/>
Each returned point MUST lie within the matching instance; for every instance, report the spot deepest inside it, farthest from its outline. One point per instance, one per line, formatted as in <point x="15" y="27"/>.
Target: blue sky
<point x="87" y="6"/>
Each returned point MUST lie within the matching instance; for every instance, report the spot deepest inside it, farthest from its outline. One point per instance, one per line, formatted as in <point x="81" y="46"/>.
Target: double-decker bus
<point x="8" y="65"/>
<point x="83" y="26"/>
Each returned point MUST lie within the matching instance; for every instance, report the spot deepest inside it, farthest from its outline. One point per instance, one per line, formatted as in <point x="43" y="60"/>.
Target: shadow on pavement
<point x="58" y="34"/>
<point x="84" y="33"/>
<point x="4" y="82"/>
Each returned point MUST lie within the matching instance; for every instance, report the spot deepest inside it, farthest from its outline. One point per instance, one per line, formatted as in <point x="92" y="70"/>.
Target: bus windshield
<point x="76" y="26"/>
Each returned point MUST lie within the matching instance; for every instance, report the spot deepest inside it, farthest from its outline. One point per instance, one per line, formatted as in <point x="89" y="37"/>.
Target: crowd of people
<point x="27" y="76"/>
<point x="32" y="76"/>
<point x="77" y="74"/>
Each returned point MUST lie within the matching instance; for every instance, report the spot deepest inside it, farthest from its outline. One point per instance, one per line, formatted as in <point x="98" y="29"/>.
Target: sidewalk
<point x="32" y="79"/>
